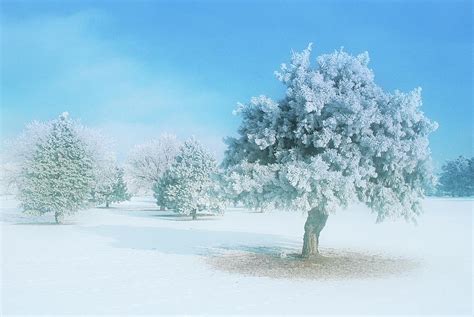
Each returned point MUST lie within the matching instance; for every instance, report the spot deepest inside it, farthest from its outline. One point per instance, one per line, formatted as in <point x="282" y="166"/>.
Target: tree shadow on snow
<point x="21" y="219"/>
<point x="254" y="254"/>
<point x="187" y="241"/>
<point x="178" y="217"/>
<point x="49" y="223"/>
<point x="168" y="215"/>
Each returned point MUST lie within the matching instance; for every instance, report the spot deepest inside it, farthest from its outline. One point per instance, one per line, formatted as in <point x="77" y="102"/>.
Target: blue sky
<point x="137" y="69"/>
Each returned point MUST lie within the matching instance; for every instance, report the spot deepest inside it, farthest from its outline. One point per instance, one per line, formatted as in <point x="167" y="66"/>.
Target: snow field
<point x="133" y="259"/>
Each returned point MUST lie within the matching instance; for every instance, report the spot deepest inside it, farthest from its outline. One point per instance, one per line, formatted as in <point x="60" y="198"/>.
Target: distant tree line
<point x="61" y="167"/>
<point x="456" y="178"/>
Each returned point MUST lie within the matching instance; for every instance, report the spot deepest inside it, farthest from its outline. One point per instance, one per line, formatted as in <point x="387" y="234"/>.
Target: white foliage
<point x="109" y="185"/>
<point x="21" y="149"/>
<point x="335" y="138"/>
<point x="18" y="151"/>
<point x="9" y="172"/>
<point x="191" y="184"/>
<point x="147" y="162"/>
<point x="56" y="174"/>
<point x="251" y="184"/>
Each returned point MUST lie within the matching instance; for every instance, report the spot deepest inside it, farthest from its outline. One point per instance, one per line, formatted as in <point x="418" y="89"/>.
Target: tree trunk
<point x="58" y="217"/>
<point x="106" y="204"/>
<point x="314" y="225"/>
<point x="193" y="213"/>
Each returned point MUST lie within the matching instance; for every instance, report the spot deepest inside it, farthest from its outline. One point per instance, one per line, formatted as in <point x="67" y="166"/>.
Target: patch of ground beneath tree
<point x="330" y="264"/>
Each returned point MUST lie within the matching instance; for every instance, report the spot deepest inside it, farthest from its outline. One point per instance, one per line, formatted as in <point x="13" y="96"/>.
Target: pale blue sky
<point x="137" y="69"/>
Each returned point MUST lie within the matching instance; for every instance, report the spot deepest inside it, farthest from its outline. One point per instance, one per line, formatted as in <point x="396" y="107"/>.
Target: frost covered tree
<point x="111" y="188"/>
<point x="335" y="138"/>
<point x="57" y="174"/>
<point x="191" y="184"/>
<point x="147" y="162"/>
<point x="457" y="178"/>
<point x="104" y="165"/>
<point x="109" y="185"/>
<point x="20" y="150"/>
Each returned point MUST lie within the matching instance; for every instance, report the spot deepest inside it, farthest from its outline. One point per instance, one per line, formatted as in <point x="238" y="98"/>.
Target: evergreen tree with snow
<point x="191" y="184"/>
<point x="57" y="177"/>
<point x="109" y="186"/>
<point x="457" y="178"/>
<point x="335" y="138"/>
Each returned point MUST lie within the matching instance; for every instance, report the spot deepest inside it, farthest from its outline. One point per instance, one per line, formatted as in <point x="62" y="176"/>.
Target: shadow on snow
<point x="190" y="241"/>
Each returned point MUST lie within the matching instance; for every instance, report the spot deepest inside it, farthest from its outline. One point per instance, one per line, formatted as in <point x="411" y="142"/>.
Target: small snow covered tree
<point x="109" y="186"/>
<point x="191" y="184"/>
<point x="119" y="189"/>
<point x="335" y="138"/>
<point x="58" y="174"/>
<point x="457" y="178"/>
<point x="147" y="162"/>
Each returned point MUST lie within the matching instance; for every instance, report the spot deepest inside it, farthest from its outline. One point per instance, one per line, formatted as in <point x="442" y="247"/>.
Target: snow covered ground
<point x="133" y="259"/>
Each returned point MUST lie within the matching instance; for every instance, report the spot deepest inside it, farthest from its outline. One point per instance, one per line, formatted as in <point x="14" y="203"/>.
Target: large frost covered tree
<point x="457" y="178"/>
<point x="335" y="138"/>
<point x="191" y="184"/>
<point x="57" y="176"/>
<point x="147" y="162"/>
